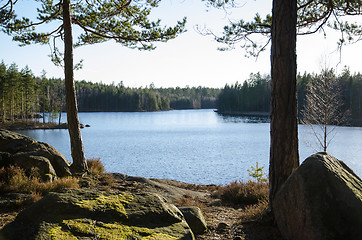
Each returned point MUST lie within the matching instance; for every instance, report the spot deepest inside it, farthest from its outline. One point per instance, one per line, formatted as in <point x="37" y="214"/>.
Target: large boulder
<point x="87" y="214"/>
<point x="25" y="152"/>
<point x="321" y="200"/>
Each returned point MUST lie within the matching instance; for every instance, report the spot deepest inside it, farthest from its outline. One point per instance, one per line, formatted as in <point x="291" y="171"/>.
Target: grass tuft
<point x="13" y="179"/>
<point x="187" y="200"/>
<point x="243" y="193"/>
<point x="255" y="212"/>
<point x="95" y="166"/>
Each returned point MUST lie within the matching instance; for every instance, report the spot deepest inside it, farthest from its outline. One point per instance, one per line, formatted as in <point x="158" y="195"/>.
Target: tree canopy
<point x="126" y="22"/>
<point x="312" y="16"/>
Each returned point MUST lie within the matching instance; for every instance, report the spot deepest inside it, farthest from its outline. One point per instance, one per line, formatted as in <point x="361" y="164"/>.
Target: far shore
<point x="32" y="125"/>
<point x="245" y="114"/>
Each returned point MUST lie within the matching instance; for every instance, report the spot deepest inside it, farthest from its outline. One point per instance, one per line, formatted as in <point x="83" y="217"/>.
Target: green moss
<point x="58" y="234"/>
<point x="114" y="231"/>
<point x="159" y="236"/>
<point x="114" y="202"/>
<point x="177" y="230"/>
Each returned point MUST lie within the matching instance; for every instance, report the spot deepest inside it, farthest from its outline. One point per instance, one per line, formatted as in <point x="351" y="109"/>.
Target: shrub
<point x="254" y="212"/>
<point x="241" y="193"/>
<point x="95" y="166"/>
<point x="187" y="200"/>
<point x="14" y="179"/>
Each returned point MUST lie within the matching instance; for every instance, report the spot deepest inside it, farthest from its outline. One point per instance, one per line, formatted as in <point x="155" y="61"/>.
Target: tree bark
<point x="284" y="157"/>
<point x="79" y="164"/>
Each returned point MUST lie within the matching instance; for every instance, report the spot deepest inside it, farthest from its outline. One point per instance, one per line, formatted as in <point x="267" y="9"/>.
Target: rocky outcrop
<point x="87" y="214"/>
<point x="25" y="152"/>
<point x="321" y="200"/>
<point x="167" y="188"/>
<point x="194" y="219"/>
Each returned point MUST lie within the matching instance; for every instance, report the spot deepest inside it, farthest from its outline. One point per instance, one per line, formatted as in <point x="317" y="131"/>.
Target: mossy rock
<point x="25" y="152"/>
<point x="321" y="200"/>
<point x="87" y="214"/>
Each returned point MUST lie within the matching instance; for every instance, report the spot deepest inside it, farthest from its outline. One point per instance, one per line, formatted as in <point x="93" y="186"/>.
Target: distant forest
<point x="22" y="95"/>
<point x="253" y="95"/>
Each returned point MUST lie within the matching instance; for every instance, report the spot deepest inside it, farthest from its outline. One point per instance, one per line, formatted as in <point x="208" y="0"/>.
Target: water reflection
<point x="243" y="119"/>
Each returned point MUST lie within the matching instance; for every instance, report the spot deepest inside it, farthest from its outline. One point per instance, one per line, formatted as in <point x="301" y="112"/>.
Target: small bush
<point x="240" y="193"/>
<point x="95" y="166"/>
<point x="254" y="212"/>
<point x="14" y="179"/>
<point x="187" y="200"/>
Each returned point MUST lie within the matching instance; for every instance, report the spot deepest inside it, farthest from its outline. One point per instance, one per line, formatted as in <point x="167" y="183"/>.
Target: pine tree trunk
<point x="3" y="107"/>
<point x="284" y="157"/>
<point x="79" y="164"/>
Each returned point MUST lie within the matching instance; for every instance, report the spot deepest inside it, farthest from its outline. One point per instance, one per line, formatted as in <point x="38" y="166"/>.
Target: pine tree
<point x="124" y="21"/>
<point x="288" y="19"/>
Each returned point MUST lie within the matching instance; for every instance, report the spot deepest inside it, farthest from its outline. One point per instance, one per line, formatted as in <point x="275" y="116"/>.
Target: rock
<point x="27" y="162"/>
<point x="321" y="200"/>
<point x="88" y="214"/>
<point x="194" y="219"/>
<point x="166" y="188"/>
<point x="87" y="125"/>
<point x="26" y="152"/>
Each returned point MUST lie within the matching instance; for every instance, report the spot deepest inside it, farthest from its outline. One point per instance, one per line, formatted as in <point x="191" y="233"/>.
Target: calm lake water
<point x="194" y="146"/>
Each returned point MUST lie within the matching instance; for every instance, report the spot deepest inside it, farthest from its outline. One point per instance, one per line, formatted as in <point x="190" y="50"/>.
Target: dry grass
<point x="95" y="166"/>
<point x="254" y="212"/>
<point x="243" y="193"/>
<point x="187" y="200"/>
<point x="97" y="176"/>
<point x="14" y="179"/>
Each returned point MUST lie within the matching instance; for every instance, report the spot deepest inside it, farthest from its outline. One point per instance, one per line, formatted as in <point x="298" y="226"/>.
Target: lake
<point x="193" y="146"/>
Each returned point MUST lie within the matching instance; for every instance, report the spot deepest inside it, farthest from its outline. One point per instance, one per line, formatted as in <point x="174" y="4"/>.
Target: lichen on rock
<point x="89" y="214"/>
<point x="58" y="234"/>
<point x="73" y="228"/>
<point x="113" y="202"/>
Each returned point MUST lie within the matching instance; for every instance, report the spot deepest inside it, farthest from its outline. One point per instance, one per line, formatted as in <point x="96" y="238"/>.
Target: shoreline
<point x="34" y="125"/>
<point x="244" y="114"/>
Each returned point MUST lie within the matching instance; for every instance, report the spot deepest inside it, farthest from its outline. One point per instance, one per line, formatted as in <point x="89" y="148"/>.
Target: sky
<point x="189" y="60"/>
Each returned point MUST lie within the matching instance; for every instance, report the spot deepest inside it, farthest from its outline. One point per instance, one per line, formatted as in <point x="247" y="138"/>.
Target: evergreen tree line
<point x="253" y="95"/>
<point x="111" y="97"/>
<point x="24" y="96"/>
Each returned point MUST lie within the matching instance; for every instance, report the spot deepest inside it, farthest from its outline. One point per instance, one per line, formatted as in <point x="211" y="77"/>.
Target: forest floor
<point x="225" y="221"/>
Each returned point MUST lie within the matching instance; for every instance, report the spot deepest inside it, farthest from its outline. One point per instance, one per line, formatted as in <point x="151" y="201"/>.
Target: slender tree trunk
<point x="22" y="105"/>
<point x="79" y="164"/>
<point x="3" y="107"/>
<point x="284" y="157"/>
<point x="60" y="116"/>
<point x="12" y="106"/>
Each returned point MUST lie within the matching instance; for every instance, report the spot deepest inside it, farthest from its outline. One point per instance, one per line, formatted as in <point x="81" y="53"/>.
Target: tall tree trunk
<point x="3" y="107"/>
<point x="284" y="157"/>
<point x="12" y="106"/>
<point x="60" y="115"/>
<point x="79" y="164"/>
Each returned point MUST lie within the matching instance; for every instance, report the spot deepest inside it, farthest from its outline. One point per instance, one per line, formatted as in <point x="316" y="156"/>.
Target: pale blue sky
<point x="190" y="59"/>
